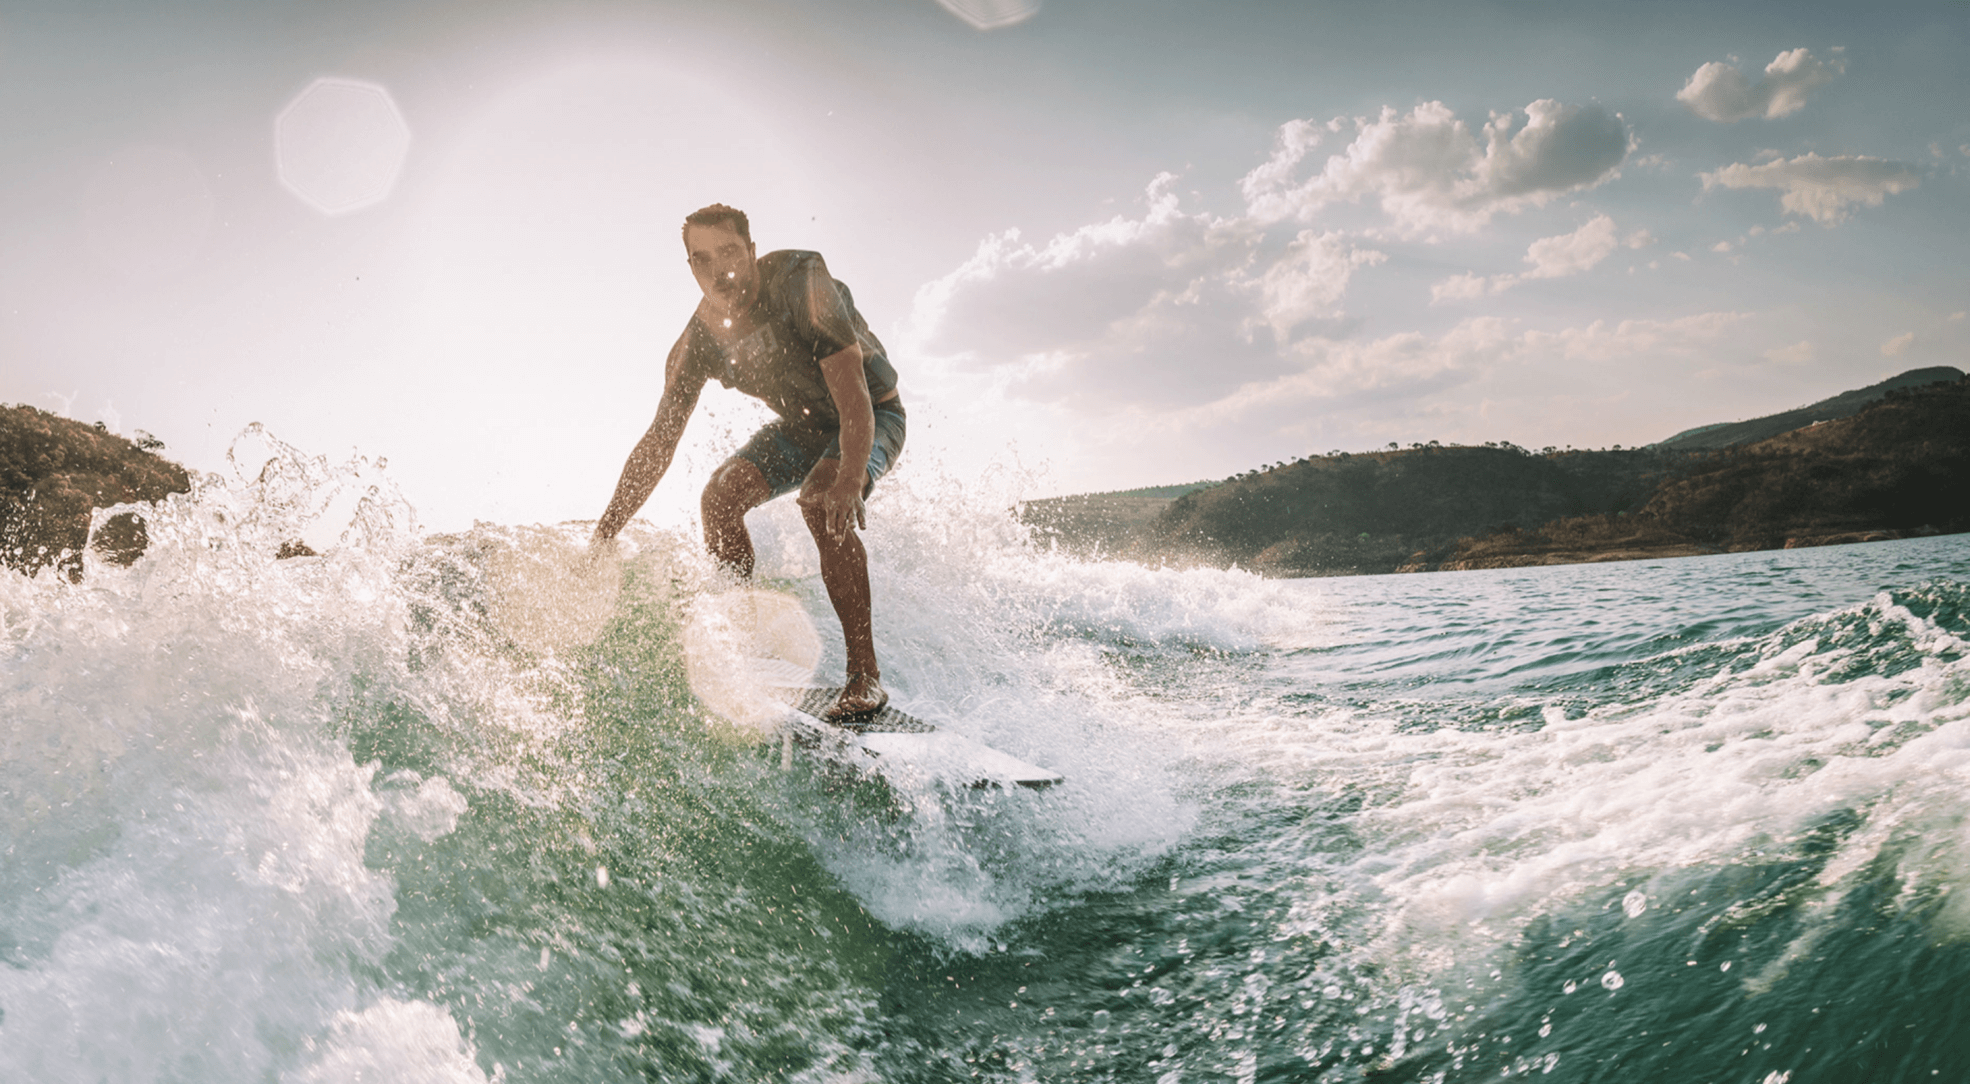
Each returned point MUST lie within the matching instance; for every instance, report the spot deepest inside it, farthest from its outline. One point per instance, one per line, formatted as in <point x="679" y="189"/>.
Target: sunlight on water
<point x="449" y="808"/>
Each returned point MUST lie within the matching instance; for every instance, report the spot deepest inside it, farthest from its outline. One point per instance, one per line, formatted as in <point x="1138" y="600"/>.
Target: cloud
<point x="1572" y="253"/>
<point x="1426" y="170"/>
<point x="1465" y="287"/>
<point x="1398" y="380"/>
<point x="1823" y="189"/>
<point x="1898" y="345"/>
<point x="1394" y="366"/>
<point x="1719" y="91"/>
<point x="1550" y="257"/>
<point x="1309" y="280"/>
<point x="1798" y="353"/>
<point x="1600" y="341"/>
<point x="1164" y="308"/>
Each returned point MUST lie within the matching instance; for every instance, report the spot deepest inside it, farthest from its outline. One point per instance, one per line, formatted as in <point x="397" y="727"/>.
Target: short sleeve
<point x="819" y="311"/>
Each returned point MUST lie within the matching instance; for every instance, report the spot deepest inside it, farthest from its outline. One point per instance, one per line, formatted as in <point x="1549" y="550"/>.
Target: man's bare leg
<point x="845" y="572"/>
<point x="736" y="488"/>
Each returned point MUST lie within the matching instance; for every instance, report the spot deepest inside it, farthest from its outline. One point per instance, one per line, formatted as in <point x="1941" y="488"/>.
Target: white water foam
<point x="1025" y="650"/>
<point x="1467" y="835"/>
<point x="183" y="889"/>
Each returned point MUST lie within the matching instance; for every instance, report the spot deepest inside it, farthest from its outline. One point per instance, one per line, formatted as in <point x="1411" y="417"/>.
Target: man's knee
<point x="735" y="488"/>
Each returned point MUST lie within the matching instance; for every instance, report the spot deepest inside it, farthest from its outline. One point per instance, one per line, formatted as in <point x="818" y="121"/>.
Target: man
<point x="779" y="328"/>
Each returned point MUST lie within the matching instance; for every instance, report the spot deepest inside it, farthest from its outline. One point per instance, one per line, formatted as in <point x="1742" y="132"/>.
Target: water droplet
<point x="1570" y="987"/>
<point x="1612" y="981"/>
<point x="1101" y="1019"/>
<point x="601" y="876"/>
<point x="1725" y="966"/>
<point x="1634" y="903"/>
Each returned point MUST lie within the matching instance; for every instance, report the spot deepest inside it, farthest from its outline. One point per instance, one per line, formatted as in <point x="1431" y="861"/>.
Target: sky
<point x="1108" y="243"/>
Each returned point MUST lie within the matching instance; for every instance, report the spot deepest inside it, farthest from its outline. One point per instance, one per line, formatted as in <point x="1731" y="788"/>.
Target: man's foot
<point x="863" y="697"/>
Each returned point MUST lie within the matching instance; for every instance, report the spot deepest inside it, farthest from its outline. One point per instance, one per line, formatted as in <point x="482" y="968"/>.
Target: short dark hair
<point x="719" y="215"/>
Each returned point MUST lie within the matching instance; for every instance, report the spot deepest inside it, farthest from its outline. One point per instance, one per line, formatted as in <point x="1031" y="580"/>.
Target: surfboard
<point x="891" y="739"/>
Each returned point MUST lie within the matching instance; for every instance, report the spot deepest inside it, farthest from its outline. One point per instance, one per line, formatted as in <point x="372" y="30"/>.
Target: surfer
<point x="778" y="327"/>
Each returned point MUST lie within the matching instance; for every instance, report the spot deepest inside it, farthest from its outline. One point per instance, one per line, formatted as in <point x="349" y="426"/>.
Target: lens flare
<point x="731" y="641"/>
<point x="992" y="14"/>
<point x="340" y="145"/>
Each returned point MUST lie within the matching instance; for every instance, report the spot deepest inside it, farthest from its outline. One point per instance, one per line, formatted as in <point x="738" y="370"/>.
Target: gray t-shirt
<point x="802" y="316"/>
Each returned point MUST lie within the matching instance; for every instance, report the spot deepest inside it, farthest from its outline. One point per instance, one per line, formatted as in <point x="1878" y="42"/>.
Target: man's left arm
<point x="849" y="387"/>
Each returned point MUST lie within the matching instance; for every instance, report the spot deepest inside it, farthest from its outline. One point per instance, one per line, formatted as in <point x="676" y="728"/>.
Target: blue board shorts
<point x="786" y="454"/>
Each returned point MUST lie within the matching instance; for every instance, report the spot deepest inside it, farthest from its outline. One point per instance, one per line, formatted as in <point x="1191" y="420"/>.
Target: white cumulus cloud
<point x="1464" y="287"/>
<point x="1719" y="91"/>
<point x="1898" y="345"/>
<point x="1572" y="253"/>
<point x="1426" y="169"/>
<point x="1550" y="257"/>
<point x="1168" y="307"/>
<point x="1309" y="280"/>
<point x="1825" y="190"/>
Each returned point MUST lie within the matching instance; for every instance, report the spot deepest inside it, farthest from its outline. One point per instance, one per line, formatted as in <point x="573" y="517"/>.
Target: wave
<point x="423" y="805"/>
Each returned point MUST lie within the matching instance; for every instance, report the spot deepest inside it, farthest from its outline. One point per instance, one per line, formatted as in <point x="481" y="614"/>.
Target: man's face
<point x="723" y="264"/>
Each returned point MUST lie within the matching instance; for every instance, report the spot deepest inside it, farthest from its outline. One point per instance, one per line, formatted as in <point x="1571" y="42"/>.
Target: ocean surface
<point x="408" y="811"/>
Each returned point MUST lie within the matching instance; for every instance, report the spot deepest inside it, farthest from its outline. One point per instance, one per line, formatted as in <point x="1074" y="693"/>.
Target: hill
<point x="1844" y="405"/>
<point x="1896" y="464"/>
<point x="1384" y="511"/>
<point x="1096" y="523"/>
<point x="1900" y="467"/>
<point x="54" y="472"/>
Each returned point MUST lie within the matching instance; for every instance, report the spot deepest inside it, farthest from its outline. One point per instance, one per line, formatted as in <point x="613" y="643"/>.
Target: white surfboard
<point x="891" y="739"/>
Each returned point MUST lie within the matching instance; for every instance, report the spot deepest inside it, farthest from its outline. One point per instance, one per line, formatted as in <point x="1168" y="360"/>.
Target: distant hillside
<point x="54" y="472"/>
<point x="1844" y="405"/>
<point x="1899" y="466"/>
<point x="1096" y="523"/>
<point x="1382" y="511"/>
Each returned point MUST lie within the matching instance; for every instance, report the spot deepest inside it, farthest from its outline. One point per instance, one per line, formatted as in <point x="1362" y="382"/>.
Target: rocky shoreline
<point x="56" y="472"/>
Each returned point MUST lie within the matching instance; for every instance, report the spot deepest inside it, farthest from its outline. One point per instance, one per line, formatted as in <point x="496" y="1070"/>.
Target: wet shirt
<point x="802" y="316"/>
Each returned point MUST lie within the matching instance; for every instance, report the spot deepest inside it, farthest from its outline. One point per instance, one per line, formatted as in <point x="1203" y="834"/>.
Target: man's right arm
<point x="651" y="457"/>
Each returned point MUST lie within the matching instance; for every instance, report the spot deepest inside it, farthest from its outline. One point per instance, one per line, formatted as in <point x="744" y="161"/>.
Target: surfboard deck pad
<point x="891" y="738"/>
<point x="816" y="701"/>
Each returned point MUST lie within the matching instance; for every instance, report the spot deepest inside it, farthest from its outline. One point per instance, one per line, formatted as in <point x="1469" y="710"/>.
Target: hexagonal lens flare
<point x="340" y="145"/>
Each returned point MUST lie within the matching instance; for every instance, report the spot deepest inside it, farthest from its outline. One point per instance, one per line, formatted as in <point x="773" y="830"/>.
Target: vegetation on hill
<point x="1899" y="466"/>
<point x="1381" y="511"/>
<point x="55" y="472"/>
<point x="1844" y="405"/>
<point x="1095" y="524"/>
